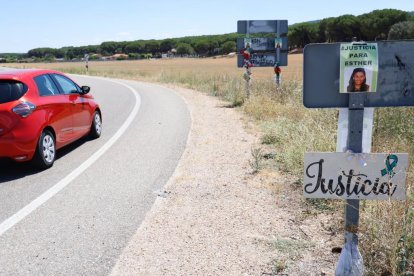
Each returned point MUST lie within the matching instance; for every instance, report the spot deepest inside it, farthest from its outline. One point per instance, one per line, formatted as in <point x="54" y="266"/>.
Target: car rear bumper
<point x="20" y="143"/>
<point x="17" y="148"/>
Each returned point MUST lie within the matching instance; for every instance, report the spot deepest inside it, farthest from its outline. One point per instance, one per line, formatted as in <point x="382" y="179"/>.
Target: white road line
<point x="32" y="206"/>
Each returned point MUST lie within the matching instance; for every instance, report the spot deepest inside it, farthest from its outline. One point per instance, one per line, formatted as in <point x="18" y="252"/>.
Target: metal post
<point x="350" y="261"/>
<point x="278" y="36"/>
<point x="356" y="119"/>
<point x="248" y="85"/>
<point x="277" y="76"/>
<point x="86" y="57"/>
<point x="248" y="69"/>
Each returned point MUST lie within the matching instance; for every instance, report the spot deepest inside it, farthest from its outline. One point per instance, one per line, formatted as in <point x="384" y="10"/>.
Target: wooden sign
<point x="355" y="176"/>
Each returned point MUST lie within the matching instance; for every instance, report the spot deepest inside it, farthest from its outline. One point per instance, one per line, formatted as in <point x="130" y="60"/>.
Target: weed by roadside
<point x="288" y="250"/>
<point x="256" y="163"/>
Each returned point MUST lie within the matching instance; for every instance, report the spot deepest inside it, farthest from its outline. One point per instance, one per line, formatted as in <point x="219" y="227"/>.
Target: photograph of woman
<point x="357" y="81"/>
<point x="278" y="43"/>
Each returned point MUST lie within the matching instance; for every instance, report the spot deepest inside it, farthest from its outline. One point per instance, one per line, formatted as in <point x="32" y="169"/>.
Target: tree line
<point x="207" y="45"/>
<point x="376" y="25"/>
<point x="386" y="24"/>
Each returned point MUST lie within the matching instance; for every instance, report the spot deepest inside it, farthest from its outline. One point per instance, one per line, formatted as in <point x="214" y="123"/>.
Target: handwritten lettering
<point x="262" y="60"/>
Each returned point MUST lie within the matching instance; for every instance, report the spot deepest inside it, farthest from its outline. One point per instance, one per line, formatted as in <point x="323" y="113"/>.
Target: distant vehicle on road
<point x="42" y="111"/>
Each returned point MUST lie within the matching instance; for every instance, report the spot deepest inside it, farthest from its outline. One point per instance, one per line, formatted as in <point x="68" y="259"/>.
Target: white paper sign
<point x="355" y="176"/>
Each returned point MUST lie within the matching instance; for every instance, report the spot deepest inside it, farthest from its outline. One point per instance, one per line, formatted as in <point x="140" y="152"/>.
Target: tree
<point x="49" y="57"/>
<point x="303" y="33"/>
<point x="152" y="46"/>
<point x="134" y="47"/>
<point x="213" y="47"/>
<point x="402" y="30"/>
<point x="59" y="53"/>
<point x="167" y="44"/>
<point x="69" y="53"/>
<point x="42" y="52"/>
<point x="323" y="35"/>
<point x="228" y="47"/>
<point x="377" y="24"/>
<point x="184" y="49"/>
<point x="133" y="56"/>
<point x="109" y="47"/>
<point x="344" y="28"/>
<point x="202" y="47"/>
<point x="120" y="47"/>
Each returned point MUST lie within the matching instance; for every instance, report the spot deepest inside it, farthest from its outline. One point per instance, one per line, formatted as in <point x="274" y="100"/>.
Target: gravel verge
<point x="215" y="217"/>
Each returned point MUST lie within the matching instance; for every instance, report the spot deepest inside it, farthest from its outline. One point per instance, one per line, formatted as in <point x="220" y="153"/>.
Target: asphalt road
<point x="82" y="228"/>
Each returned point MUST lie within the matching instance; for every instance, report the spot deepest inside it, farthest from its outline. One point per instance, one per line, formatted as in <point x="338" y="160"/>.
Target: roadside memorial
<point x="247" y="65"/>
<point x="264" y="45"/>
<point x="86" y="58"/>
<point x="342" y="175"/>
<point x="278" y="72"/>
<point x="355" y="76"/>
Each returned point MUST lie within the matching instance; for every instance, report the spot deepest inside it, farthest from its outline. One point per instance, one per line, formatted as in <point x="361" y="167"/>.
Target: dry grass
<point x="153" y="68"/>
<point x="387" y="241"/>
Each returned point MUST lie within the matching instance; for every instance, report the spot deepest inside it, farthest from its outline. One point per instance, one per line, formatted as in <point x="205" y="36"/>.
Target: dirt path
<point x="217" y="218"/>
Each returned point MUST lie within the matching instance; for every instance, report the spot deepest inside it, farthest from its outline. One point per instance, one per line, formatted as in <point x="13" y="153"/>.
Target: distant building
<point x="95" y="56"/>
<point x="118" y="57"/>
<point x="26" y="60"/>
<point x="171" y="53"/>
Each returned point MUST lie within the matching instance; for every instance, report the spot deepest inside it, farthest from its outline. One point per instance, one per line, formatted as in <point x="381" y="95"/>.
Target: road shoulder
<point x="215" y="217"/>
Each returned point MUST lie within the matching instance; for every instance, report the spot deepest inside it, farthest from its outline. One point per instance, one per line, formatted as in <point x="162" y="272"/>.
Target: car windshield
<point x="11" y="90"/>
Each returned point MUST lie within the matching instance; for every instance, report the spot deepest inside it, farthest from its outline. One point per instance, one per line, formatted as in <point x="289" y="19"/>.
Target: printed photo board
<point x="279" y="27"/>
<point x="264" y="51"/>
<point x="383" y="71"/>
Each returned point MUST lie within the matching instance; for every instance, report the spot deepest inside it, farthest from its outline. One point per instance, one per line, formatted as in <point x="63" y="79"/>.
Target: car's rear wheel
<point x="96" y="127"/>
<point x="45" y="151"/>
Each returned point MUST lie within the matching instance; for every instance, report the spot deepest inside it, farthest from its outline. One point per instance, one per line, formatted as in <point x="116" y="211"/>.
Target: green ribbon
<point x="390" y="166"/>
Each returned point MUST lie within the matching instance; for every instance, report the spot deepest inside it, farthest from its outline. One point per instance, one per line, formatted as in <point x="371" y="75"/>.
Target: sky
<point x="28" y="24"/>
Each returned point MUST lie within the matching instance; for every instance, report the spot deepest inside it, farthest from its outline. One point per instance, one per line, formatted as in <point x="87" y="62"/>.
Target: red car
<point x="42" y="111"/>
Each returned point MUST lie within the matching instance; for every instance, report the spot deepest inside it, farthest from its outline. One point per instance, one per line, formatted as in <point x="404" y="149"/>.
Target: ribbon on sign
<point x="390" y="166"/>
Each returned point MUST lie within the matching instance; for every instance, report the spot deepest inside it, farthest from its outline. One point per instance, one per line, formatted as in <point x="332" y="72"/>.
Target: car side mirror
<point x="85" y="89"/>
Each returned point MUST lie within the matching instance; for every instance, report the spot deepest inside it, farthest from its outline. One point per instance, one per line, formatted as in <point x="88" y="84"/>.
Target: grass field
<point x="289" y="129"/>
<point x="152" y="68"/>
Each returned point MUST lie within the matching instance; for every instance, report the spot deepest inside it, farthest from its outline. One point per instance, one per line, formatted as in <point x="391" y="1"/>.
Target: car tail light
<point x="24" y="109"/>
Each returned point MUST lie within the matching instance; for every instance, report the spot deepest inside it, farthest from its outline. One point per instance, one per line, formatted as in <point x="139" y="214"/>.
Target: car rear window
<point x="11" y="90"/>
